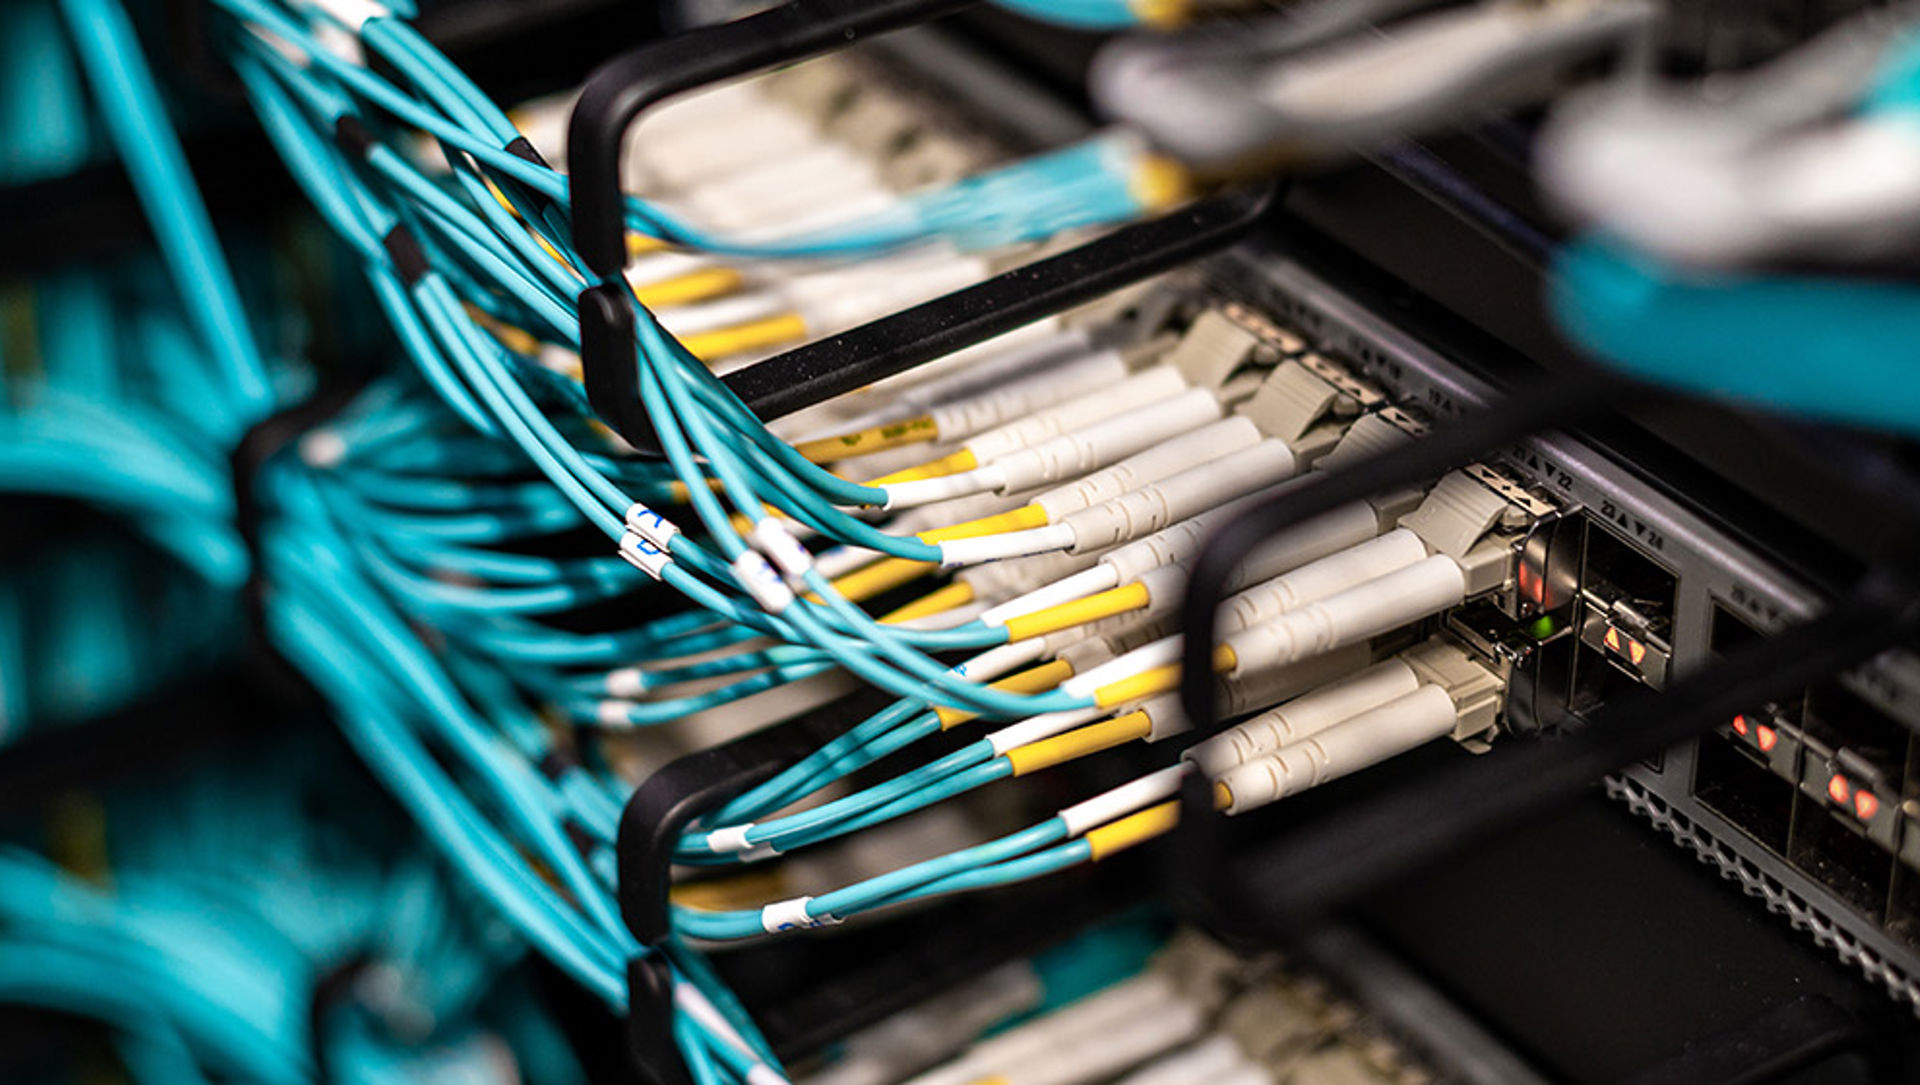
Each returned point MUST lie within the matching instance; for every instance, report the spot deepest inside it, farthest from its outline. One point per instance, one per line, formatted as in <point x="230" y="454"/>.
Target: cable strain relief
<point x="523" y="148"/>
<point x="354" y="137"/>
<point x="409" y="259"/>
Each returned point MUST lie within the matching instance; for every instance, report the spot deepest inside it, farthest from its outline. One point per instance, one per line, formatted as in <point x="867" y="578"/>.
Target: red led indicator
<point x="1612" y="638"/>
<point x="1866" y="804"/>
<point x="1740" y="726"/>
<point x="1766" y="736"/>
<point x="1636" y="651"/>
<point x="1837" y="789"/>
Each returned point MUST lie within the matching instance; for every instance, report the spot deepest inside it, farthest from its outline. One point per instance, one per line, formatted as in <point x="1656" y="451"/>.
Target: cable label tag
<point x="791" y="915"/>
<point x="644" y="556"/>
<point x="651" y="526"/>
<point x="762" y="581"/>
<point x="778" y="543"/>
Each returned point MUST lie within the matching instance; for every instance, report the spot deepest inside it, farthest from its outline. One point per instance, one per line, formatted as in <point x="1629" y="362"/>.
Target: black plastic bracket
<point x="623" y="88"/>
<point x="900" y="341"/>
<point x="651" y="824"/>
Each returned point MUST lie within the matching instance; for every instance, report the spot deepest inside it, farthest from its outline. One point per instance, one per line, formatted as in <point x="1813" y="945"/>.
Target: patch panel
<point x="1815" y="797"/>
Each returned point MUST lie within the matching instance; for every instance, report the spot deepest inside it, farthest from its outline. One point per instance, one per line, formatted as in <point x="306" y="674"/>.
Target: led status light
<point x="1767" y="737"/>
<point x="1838" y="789"/>
<point x="1866" y="804"/>
<point x="1612" y="638"/>
<point x="1636" y="652"/>
<point x="1740" y="726"/>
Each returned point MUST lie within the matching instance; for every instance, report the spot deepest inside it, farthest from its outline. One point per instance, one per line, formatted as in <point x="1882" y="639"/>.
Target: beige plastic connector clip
<point x="1212" y="349"/>
<point x="1477" y="692"/>
<point x="1290" y="401"/>
<point x="1455" y="520"/>
<point x="1369" y="436"/>
<point x="1457" y="512"/>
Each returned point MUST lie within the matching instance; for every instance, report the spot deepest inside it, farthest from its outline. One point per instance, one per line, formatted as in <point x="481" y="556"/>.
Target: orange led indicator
<point x="1767" y="737"/>
<point x="1837" y="789"/>
<point x="1866" y="804"/>
<point x="1740" y="726"/>
<point x="1612" y="638"/>
<point x="1636" y="651"/>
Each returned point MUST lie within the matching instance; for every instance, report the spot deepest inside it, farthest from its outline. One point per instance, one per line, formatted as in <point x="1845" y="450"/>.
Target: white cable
<point x="933" y="388"/>
<point x="1203" y="1063"/>
<point x="1327" y="576"/>
<point x="1068" y="455"/>
<point x="1159" y="653"/>
<point x="1144" y="511"/>
<point x="999" y="660"/>
<point x="1348" y="746"/>
<point x="1147" y="386"/>
<point x="1086" y="582"/>
<point x="1034" y="728"/>
<point x="1384" y="603"/>
<point x="964" y="416"/>
<point x="1167" y="458"/>
<point x="1303" y="716"/>
<point x="1128" y="798"/>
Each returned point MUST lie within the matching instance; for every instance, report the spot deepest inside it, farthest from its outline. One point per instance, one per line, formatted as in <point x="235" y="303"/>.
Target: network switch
<point x="1805" y="802"/>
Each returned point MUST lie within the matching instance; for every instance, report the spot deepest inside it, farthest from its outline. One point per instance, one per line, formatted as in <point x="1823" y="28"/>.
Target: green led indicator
<point x="1542" y="627"/>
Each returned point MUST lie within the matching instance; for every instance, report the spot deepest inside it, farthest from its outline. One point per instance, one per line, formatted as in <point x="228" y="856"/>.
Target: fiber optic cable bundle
<point x="1728" y="240"/>
<point x="469" y="566"/>
<point x="198" y="918"/>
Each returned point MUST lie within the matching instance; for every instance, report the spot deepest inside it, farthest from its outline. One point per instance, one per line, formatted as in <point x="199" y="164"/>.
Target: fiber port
<point x="1856" y="759"/>
<point x="1733" y="784"/>
<point x="1627" y="602"/>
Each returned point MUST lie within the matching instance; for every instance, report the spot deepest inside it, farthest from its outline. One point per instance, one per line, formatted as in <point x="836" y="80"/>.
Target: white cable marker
<point x="1323" y="578"/>
<point x="778" y="544"/>
<point x="644" y="555"/>
<point x="626" y="683"/>
<point x="762" y="581"/>
<point x="352" y="14"/>
<point x="651" y="526"/>
<point x="791" y="915"/>
<point x="1125" y="799"/>
<point x="1034" y="728"/>
<point x="1348" y="746"/>
<point x="1381" y="604"/>
<point x="1304" y="716"/>
<point x="732" y="840"/>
